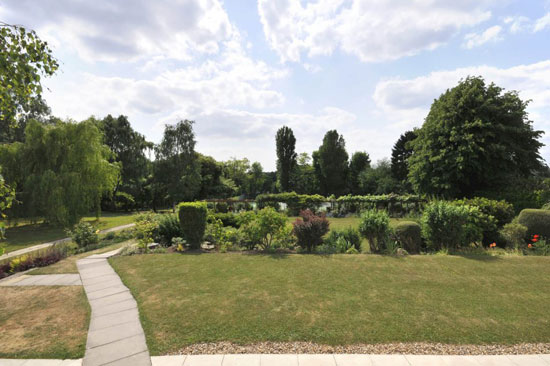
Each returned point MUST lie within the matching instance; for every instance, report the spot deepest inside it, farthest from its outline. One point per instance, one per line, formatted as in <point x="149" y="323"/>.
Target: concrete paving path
<point x="115" y="336"/>
<point x="69" y="279"/>
<point x="315" y="360"/>
<point x="64" y="240"/>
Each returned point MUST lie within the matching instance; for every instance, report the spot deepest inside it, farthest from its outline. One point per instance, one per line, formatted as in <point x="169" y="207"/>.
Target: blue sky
<point x="242" y="69"/>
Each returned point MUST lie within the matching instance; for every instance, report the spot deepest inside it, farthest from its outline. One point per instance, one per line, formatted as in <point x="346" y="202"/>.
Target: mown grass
<point x="26" y="234"/>
<point x="43" y="322"/>
<point x="338" y="299"/>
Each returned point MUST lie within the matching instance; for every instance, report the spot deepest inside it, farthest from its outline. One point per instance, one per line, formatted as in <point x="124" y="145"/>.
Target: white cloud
<point x="126" y="29"/>
<point x="491" y="34"/>
<point x="542" y="23"/>
<point x="516" y="24"/>
<point x="369" y="29"/>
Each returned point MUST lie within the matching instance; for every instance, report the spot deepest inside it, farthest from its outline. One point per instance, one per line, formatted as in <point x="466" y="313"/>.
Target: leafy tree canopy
<point x="476" y="137"/>
<point x="286" y="156"/>
<point x="332" y="164"/>
<point x="360" y="161"/>
<point x="24" y="59"/>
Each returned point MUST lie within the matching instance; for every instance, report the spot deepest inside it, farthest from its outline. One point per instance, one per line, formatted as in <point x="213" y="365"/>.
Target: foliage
<point x="536" y="221"/>
<point x="177" y="169"/>
<point x="192" y="217"/>
<point x="400" y="154"/>
<point x="146" y="229"/>
<point x="480" y="228"/>
<point x="513" y="235"/>
<point x="375" y="227"/>
<point x="310" y="229"/>
<point x="332" y="164"/>
<point x="168" y="227"/>
<point x="409" y="235"/>
<point x="396" y="205"/>
<point x="255" y="179"/>
<point x="39" y="258"/>
<point x="286" y="156"/>
<point x="236" y="170"/>
<point x="304" y="180"/>
<point x="378" y="180"/>
<point x="539" y="246"/>
<point x="475" y="137"/>
<point x="7" y="195"/>
<point x="262" y="227"/>
<point x="24" y="59"/>
<point x="214" y="232"/>
<point x="128" y="147"/>
<point x="295" y="202"/>
<point x="227" y="219"/>
<point x="84" y="234"/>
<point x="341" y="241"/>
<point x="502" y="211"/>
<point x="360" y="161"/>
<point x="444" y="225"/>
<point x="211" y="173"/>
<point x="61" y="170"/>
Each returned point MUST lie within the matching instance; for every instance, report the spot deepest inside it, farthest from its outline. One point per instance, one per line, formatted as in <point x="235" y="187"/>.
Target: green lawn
<point x="339" y="299"/>
<point x="27" y="234"/>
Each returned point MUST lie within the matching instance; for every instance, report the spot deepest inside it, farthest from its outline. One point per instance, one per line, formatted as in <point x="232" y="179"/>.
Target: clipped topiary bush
<point x="536" y="221"/>
<point x="409" y="235"/>
<point x="192" y="217"/>
<point x="513" y="235"/>
<point x="375" y="227"/>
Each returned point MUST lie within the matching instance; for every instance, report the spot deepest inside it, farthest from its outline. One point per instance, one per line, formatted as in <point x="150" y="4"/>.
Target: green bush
<point x="374" y="225"/>
<point x="501" y="211"/>
<point x="221" y="207"/>
<point x="295" y="202"/>
<point x="228" y="219"/>
<point x="84" y="234"/>
<point x="443" y="225"/>
<point x="513" y="235"/>
<point x="341" y="241"/>
<point x="262" y="228"/>
<point x="192" y="217"/>
<point x="540" y="247"/>
<point x="146" y="229"/>
<point x="310" y="229"/>
<point x="409" y="236"/>
<point x="536" y="221"/>
<point x="168" y="227"/>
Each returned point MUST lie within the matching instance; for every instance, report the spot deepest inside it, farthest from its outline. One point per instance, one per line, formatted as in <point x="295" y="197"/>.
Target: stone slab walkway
<point x="115" y="336"/>
<point x="315" y="360"/>
<point x="69" y="279"/>
<point x="64" y="240"/>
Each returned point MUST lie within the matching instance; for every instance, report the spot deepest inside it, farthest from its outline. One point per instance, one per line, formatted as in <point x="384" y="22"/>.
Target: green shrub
<point x="513" y="235"/>
<point x="341" y="241"/>
<point x="192" y="217"/>
<point x="109" y="236"/>
<point x="146" y="228"/>
<point x="263" y="227"/>
<point x="501" y="211"/>
<point x="480" y="228"/>
<point x="310" y="229"/>
<point x="374" y="225"/>
<point x="84" y="234"/>
<point x="168" y="227"/>
<point x="221" y="207"/>
<point x="540" y="246"/>
<point x="409" y="236"/>
<point x="536" y="221"/>
<point x="228" y="219"/>
<point x="443" y="225"/>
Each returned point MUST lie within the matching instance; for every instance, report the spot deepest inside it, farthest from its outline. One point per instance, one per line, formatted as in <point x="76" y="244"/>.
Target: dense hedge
<point x="536" y="221"/>
<point x="295" y="202"/>
<point x="501" y="210"/>
<point x="192" y="217"/>
<point x="409" y="235"/>
<point x="396" y="205"/>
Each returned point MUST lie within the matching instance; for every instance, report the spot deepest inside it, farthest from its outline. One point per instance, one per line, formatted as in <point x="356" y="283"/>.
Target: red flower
<point x="530" y="246"/>
<point x="535" y="236"/>
<point x="535" y="240"/>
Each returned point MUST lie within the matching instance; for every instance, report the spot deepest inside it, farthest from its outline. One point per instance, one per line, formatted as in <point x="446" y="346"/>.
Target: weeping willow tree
<point x="61" y="171"/>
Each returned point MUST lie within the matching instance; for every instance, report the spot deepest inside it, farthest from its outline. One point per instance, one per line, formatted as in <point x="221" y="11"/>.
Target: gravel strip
<point x="387" y="348"/>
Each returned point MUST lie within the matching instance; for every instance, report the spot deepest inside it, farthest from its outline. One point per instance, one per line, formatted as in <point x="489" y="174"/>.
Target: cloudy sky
<point x="243" y="68"/>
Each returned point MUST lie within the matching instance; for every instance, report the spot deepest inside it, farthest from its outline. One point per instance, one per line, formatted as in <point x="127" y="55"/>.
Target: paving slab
<point x="115" y="335"/>
<point x="168" y="360"/>
<point x="316" y="360"/>
<point x="241" y="360"/>
<point x="459" y="361"/>
<point x="203" y="360"/>
<point x="528" y="360"/>
<point x="279" y="360"/>
<point x="389" y="360"/>
<point x="425" y="360"/>
<point x="493" y="360"/>
<point x="70" y="279"/>
<point x="353" y="360"/>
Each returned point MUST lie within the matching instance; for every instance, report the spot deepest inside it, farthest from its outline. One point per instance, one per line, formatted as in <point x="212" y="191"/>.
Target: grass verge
<point x="338" y="299"/>
<point x="43" y="322"/>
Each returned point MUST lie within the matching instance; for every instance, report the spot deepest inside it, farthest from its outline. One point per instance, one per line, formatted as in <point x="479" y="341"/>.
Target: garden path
<point x="49" y="244"/>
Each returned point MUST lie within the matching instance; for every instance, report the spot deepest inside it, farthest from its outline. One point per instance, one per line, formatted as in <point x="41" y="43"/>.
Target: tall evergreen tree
<point x="359" y="162"/>
<point x="400" y="153"/>
<point x="333" y="168"/>
<point x="286" y="156"/>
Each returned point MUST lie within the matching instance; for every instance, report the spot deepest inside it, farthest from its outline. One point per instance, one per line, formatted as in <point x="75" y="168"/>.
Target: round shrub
<point x="409" y="235"/>
<point x="501" y="210"/>
<point x="444" y="225"/>
<point x="375" y="227"/>
<point x="340" y="241"/>
<point x="513" y="235"/>
<point x="84" y="234"/>
<point x="192" y="217"/>
<point x="310" y="229"/>
<point x="536" y="221"/>
<point x="168" y="227"/>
